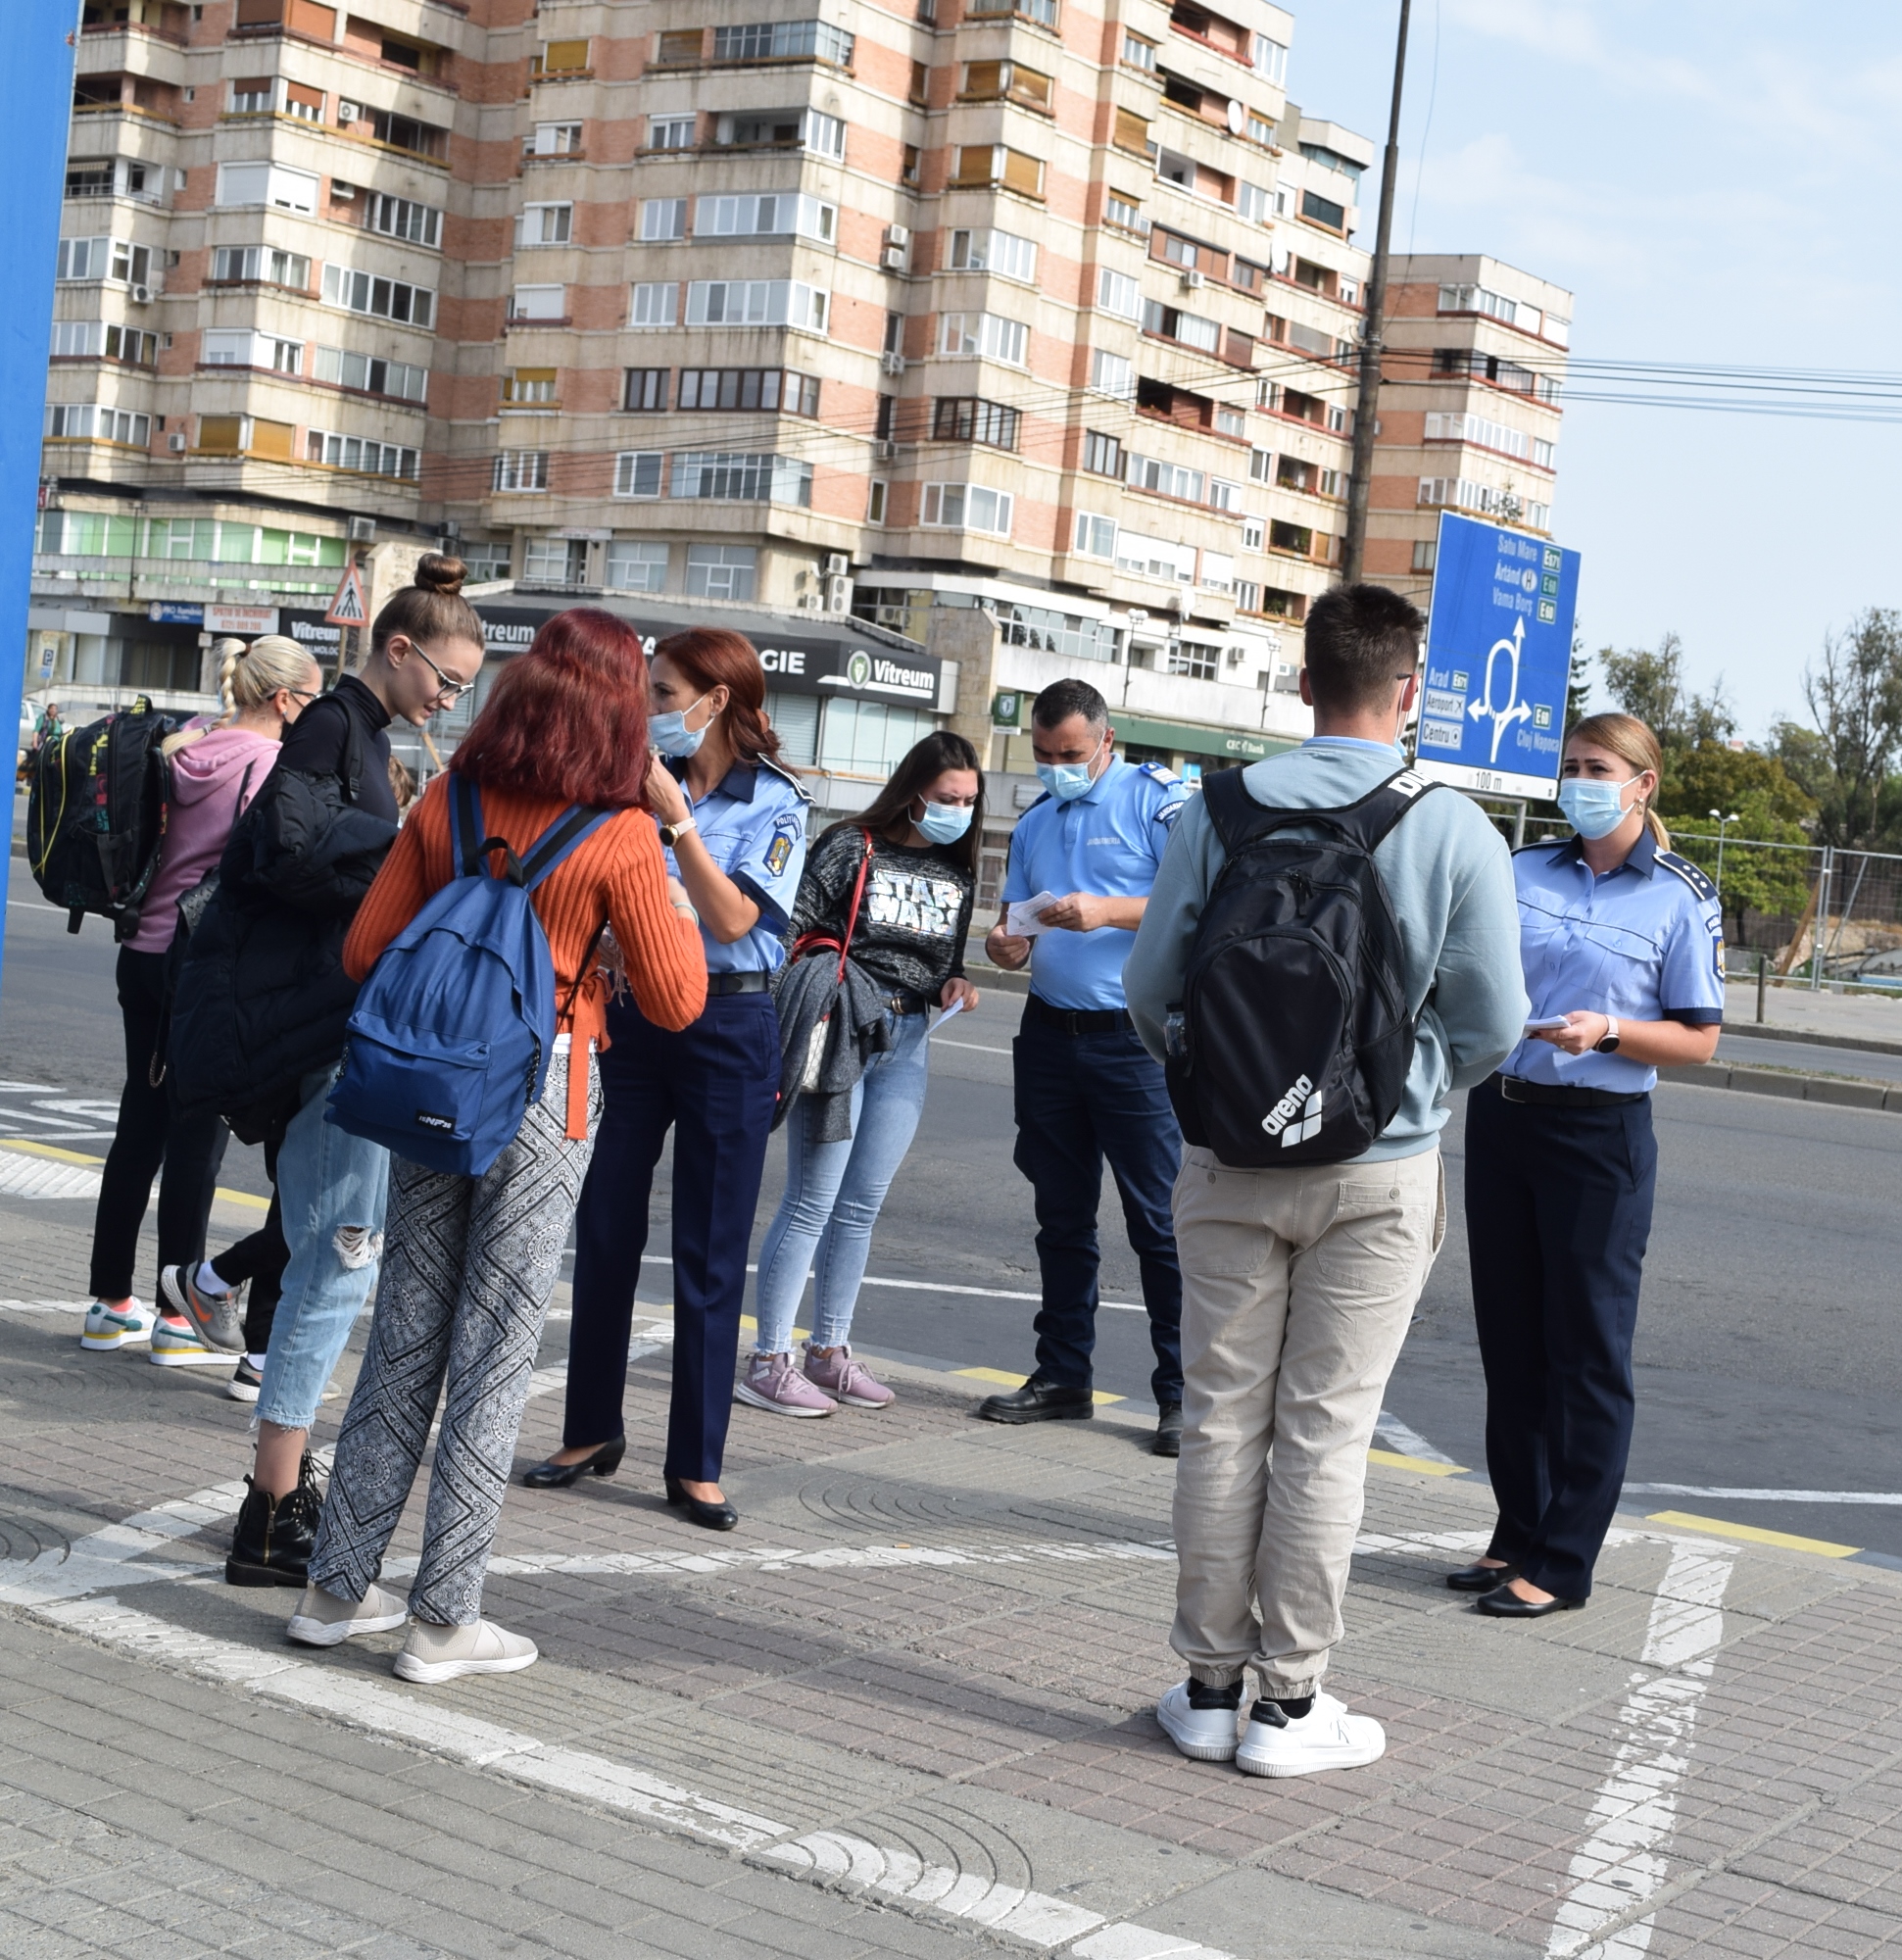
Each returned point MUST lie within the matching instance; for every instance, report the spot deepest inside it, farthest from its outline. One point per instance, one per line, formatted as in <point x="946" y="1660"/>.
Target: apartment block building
<point x="944" y="346"/>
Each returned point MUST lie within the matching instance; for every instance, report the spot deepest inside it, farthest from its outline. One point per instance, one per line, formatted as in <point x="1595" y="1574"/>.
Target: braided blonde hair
<point x="248" y="676"/>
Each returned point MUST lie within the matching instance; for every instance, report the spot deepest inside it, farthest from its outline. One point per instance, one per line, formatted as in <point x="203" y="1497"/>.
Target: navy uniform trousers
<point x="1558" y="1212"/>
<point x="1082" y="1097"/>
<point x="715" y="1083"/>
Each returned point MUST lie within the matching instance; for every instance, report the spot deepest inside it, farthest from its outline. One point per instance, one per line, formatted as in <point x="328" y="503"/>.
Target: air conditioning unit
<point x="177" y="444"/>
<point x="837" y="565"/>
<point x="141" y="296"/>
<point x="363" y="530"/>
<point x="890" y="363"/>
<point x="896" y="258"/>
<point x="838" y="596"/>
<point x="346" y="112"/>
<point x="886" y="450"/>
<point x="812" y="602"/>
<point x="897" y="248"/>
<point x="342" y="192"/>
<point x="1191" y="281"/>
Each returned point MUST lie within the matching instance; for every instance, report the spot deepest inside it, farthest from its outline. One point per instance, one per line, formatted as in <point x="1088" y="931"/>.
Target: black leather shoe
<point x="1168" y="1432"/>
<point x="1481" y="1578"/>
<point x="720" y="1517"/>
<point x="553" y="1475"/>
<point x="271" y="1542"/>
<point x="1507" y="1605"/>
<point x="1038" y="1402"/>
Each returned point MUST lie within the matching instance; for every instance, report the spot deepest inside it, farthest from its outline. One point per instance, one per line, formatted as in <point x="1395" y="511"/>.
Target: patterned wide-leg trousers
<point x="469" y="1266"/>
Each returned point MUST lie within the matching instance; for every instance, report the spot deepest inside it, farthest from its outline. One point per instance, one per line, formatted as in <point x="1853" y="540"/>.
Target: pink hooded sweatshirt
<point x="213" y="779"/>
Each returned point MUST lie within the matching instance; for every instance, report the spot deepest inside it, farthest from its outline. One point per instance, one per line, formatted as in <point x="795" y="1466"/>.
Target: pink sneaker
<point x="838" y="1374"/>
<point x="772" y="1381"/>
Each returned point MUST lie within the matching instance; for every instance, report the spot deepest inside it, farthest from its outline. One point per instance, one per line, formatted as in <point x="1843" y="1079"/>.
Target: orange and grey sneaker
<point x="216" y="1318"/>
<point x="122" y="1326"/>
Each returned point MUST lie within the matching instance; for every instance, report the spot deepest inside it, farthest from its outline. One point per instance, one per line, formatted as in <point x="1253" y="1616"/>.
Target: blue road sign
<point x="1499" y="655"/>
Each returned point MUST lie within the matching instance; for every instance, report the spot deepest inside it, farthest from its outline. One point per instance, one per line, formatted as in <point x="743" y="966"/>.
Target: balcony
<point x="148" y="578"/>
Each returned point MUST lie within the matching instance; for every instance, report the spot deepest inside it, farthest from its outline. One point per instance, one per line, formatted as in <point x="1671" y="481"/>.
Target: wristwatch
<point x="1609" y="1045"/>
<point x="672" y="833"/>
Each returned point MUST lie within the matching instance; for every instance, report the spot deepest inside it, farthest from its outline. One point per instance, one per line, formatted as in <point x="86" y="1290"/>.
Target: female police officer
<point x="1623" y="958"/>
<point x="733" y="822"/>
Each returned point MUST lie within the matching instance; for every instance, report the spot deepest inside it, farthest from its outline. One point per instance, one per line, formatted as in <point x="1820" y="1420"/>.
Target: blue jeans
<point x="834" y="1193"/>
<point x="330" y="1186"/>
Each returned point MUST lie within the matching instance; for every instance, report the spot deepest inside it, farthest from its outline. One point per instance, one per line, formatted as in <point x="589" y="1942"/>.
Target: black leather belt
<point x="1515" y="1089"/>
<point x="737" y="983"/>
<point x="1078" y="1020"/>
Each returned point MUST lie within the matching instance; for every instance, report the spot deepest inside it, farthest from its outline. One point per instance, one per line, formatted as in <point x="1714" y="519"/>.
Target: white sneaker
<point x="176" y="1345"/>
<point x="435" y="1654"/>
<point x="322" y="1620"/>
<point x="1326" y="1738"/>
<point x="1206" y="1733"/>
<point x="109" y="1327"/>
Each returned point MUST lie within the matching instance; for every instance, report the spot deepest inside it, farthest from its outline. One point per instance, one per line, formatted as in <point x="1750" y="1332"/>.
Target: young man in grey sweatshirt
<point x="1299" y="1285"/>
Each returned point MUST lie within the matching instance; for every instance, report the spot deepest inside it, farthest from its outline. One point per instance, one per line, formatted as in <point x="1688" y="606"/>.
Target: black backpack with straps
<point x="1293" y="1040"/>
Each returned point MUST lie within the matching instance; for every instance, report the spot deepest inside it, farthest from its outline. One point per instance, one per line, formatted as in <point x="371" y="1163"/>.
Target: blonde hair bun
<point x="437" y="573"/>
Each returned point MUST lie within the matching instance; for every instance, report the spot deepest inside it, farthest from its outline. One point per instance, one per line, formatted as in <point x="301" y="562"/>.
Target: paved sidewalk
<point x="905" y="1709"/>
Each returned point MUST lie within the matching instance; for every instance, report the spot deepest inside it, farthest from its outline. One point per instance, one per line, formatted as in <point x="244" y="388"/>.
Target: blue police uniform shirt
<point x="752" y="823"/>
<point x="1643" y="943"/>
<point x="1109" y="841"/>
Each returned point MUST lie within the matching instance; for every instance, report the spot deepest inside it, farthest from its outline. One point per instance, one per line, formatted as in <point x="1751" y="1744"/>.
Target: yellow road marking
<point x="1752" y="1535"/>
<point x="34" y="1149"/>
<point x="1017" y="1381"/>
<point x="1391" y="1460"/>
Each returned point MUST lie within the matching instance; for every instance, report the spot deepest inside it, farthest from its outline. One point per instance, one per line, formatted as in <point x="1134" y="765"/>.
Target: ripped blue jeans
<point x="330" y="1186"/>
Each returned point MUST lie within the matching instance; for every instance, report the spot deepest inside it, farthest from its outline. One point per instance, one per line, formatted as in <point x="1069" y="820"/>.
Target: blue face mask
<point x="1593" y="808"/>
<point x="1065" y="781"/>
<point x="670" y="734"/>
<point x="944" y="823"/>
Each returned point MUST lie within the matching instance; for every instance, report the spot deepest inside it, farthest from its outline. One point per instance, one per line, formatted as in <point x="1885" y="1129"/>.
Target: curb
<point x="1842" y="1091"/>
<point x="1767" y="1031"/>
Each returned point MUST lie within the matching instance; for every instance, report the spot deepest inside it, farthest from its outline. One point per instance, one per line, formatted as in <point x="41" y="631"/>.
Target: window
<point x="1043" y="12"/>
<point x="520" y="469"/>
<point x="911" y="163"/>
<point x="1269" y="60"/>
<point x="868" y="739"/>
<point x="1166" y="480"/>
<point x="104" y="259"/>
<point x="1006" y="81"/>
<point x="1111" y="374"/>
<point x="267" y="183"/>
<point x="994" y="164"/>
<point x="1290" y="538"/>
<point x="654" y="305"/>
<point x="349" y="451"/>
<point x="721" y="571"/>
<point x="662" y="218"/>
<point x="402" y="218"/>
<point x="894" y="332"/>
<point x="784" y="40"/>
<point x="84" y="423"/>
<point x="83" y="339"/>
<point x="679" y="46"/>
<point x="1259" y="128"/>
<point x="921" y="90"/>
<point x="1154" y="558"/>
<point x="1118" y="293"/>
<point x="1223" y="496"/>
<point x="823" y="136"/>
<point x="254" y="96"/>
<point x="878" y="497"/>
<point x="372" y="375"/>
<point x="400" y="132"/>
<point x="1262" y="465"/>
<point x="1544" y="454"/>
<point x="561" y="58"/>
<point x="1096" y="537"/>
<point x="986" y="334"/>
<point x="968" y="507"/>
<point x="1248" y="596"/>
<point x="261" y="265"/>
<point x="637" y="472"/>
<point x="1425" y="553"/>
<point x="1479" y="429"/>
<point x="745" y="388"/>
<point x="384" y="299"/>
<point x="1000" y="252"/>
<point x="756" y="303"/>
<point x="556" y="561"/>
<point x="552" y="224"/>
<point x="1124" y="212"/>
<point x="1477" y="299"/>
<point x="531" y="387"/>
<point x="244" y="347"/>
<point x="1131" y="132"/>
<point x="1172" y="324"/>
<point x="967" y="419"/>
<point x="1102" y="455"/>
<point x="634" y="566"/>
<point x="1193" y="659"/>
<point x="1319" y="210"/>
<point x="1230" y="422"/>
<point x="1138" y="53"/>
<point x="645" y="390"/>
<point x="745" y="478"/>
<point x="757" y="215"/>
<point x="555" y="139"/>
<point x="1255" y="535"/>
<point x="1249" y="277"/>
<point x="669" y="132"/>
<point x="538" y="303"/>
<point x="1256" y="204"/>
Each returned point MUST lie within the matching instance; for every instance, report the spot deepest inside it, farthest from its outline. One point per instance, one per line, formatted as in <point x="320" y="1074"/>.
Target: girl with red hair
<point x="733" y="820"/>
<point x="469" y="1263"/>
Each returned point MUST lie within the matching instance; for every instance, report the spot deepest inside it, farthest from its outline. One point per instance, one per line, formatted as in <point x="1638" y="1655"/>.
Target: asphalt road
<point x="1770" y="1342"/>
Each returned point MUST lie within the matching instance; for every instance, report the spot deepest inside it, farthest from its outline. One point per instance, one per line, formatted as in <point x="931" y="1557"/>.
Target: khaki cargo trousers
<point x="1298" y="1286"/>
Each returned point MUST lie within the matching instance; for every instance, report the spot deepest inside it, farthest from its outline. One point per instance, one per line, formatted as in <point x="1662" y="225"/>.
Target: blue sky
<point x="1717" y="184"/>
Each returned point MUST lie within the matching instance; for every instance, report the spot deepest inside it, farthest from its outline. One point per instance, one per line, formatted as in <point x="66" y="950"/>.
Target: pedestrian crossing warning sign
<point x="349" y="607"/>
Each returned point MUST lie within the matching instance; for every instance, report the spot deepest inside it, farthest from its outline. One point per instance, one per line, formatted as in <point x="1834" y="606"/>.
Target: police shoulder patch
<point x="1167" y="814"/>
<point x="779" y="852"/>
<point x="1684" y="868"/>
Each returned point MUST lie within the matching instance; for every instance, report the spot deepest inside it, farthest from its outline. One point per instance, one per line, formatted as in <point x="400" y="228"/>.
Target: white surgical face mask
<point x="1067" y="781"/>
<point x="670" y="734"/>
<point x="944" y="823"/>
<point x="1592" y="808"/>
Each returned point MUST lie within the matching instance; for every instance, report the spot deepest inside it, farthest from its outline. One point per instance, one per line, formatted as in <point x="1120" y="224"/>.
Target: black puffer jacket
<point x="263" y="997"/>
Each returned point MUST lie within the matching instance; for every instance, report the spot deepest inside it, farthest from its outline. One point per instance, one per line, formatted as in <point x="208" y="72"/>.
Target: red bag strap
<point x="810" y="942"/>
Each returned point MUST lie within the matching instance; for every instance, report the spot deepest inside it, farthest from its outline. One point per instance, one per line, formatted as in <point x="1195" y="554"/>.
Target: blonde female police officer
<point x="1620" y="941"/>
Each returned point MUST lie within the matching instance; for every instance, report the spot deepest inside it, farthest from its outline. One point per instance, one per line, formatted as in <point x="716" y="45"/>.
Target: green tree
<point x="1854" y="694"/>
<point x="1649" y="683"/>
<point x="1771" y="809"/>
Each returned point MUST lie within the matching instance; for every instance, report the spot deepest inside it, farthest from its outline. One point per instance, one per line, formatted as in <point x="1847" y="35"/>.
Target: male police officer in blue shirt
<point x="1086" y="1087"/>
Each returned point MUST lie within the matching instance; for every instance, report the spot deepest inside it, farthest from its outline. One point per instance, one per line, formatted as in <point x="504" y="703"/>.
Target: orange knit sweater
<point x="617" y="875"/>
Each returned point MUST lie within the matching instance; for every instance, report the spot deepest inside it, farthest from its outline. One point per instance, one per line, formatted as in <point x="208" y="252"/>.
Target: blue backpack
<point x="449" y="1040"/>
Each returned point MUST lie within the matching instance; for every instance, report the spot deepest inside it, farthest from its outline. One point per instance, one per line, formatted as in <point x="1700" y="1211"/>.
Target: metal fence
<point x="1816" y="912"/>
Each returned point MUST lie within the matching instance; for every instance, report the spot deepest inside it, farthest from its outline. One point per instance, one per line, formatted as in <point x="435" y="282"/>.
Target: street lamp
<point x="1723" y="823"/>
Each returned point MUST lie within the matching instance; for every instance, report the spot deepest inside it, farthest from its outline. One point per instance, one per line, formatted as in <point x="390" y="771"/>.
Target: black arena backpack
<point x="1293" y="1040"/>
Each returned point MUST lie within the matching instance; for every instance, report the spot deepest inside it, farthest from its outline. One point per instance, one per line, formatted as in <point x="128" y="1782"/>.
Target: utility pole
<point x="1367" y="407"/>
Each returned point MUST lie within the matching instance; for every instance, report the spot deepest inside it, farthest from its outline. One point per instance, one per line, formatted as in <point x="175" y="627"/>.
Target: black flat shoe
<point x="1038" y="1402"/>
<point x="1507" y="1605"/>
<point x="553" y="1475"/>
<point x="1481" y="1578"/>
<point x="1168" y="1432"/>
<point x="720" y="1517"/>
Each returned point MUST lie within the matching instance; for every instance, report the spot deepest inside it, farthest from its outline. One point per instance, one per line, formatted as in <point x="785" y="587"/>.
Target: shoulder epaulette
<point x="1160" y="771"/>
<point x="1689" y="872"/>
<point x="788" y="776"/>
